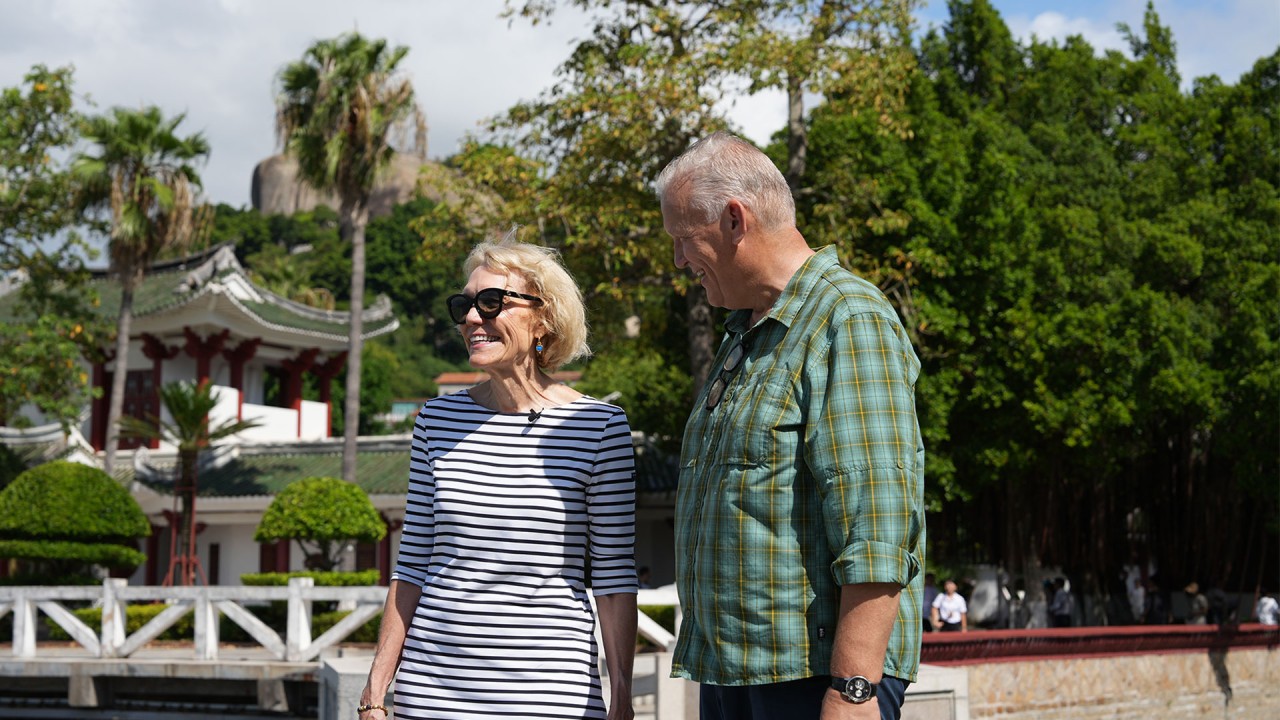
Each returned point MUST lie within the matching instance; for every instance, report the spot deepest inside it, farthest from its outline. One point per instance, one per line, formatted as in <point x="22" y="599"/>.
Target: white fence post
<point x="114" y="617"/>
<point x="206" y="626"/>
<point x="298" y="628"/>
<point x="24" y="626"/>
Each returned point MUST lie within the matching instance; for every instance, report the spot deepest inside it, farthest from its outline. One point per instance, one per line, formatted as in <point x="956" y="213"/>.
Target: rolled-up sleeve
<point x="863" y="448"/>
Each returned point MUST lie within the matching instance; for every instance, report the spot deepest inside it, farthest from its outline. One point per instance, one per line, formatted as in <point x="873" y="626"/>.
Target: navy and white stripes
<point x="501" y="517"/>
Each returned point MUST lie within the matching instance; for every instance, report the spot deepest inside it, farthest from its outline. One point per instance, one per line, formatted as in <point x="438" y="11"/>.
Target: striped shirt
<point x="808" y="475"/>
<point x="503" y="518"/>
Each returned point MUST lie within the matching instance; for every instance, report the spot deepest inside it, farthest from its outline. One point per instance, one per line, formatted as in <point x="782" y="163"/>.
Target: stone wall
<point x="1222" y="680"/>
<point x="1238" y="684"/>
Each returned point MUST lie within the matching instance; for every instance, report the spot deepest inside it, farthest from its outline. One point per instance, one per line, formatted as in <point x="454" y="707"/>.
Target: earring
<point x="538" y="347"/>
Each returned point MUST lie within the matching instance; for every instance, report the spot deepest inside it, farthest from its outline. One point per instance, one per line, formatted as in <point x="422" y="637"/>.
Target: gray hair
<point x="723" y="167"/>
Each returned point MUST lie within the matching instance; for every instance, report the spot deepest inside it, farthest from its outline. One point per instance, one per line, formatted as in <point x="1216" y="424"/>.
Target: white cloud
<point x="216" y="59"/>
<point x="1056" y="26"/>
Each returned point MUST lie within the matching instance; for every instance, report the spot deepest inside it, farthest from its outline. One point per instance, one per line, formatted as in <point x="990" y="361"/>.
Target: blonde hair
<point x="723" y="167"/>
<point x="564" y="313"/>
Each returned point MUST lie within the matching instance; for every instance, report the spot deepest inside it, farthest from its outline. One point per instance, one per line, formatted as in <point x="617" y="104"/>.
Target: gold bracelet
<point x="367" y="707"/>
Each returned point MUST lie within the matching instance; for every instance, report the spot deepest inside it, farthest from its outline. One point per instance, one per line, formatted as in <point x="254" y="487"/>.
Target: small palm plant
<point x="188" y="405"/>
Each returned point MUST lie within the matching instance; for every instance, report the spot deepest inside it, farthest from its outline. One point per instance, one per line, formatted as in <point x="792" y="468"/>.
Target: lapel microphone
<point x="534" y="415"/>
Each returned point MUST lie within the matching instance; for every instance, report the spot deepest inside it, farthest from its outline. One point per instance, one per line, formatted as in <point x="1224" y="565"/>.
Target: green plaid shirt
<point x="807" y="476"/>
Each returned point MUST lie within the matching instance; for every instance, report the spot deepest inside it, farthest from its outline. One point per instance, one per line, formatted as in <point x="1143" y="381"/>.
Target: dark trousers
<point x="794" y="700"/>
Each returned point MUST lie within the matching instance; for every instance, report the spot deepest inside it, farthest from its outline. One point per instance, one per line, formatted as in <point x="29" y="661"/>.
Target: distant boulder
<point x="276" y="189"/>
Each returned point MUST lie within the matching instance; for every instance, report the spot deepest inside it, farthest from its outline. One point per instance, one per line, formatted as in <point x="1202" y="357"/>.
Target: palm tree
<point x="189" y="405"/>
<point x="338" y="110"/>
<point x="143" y="174"/>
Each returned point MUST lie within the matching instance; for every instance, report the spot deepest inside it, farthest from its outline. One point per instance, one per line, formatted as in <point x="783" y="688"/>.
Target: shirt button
<point x="900" y="465"/>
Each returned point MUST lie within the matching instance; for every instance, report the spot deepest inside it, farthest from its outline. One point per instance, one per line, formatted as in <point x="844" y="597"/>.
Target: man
<point x="799" y="518"/>
<point x="930" y="592"/>
<point x="1061" y="604"/>
<point x="1267" y="610"/>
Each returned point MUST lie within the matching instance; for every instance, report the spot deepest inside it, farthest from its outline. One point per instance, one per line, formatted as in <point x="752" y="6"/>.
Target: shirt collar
<point x="793" y="296"/>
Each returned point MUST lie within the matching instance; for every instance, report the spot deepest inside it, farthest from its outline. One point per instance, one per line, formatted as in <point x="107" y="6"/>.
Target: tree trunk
<point x="701" y="333"/>
<point x="355" y="217"/>
<point x="797" y="134"/>
<point x="186" y="538"/>
<point x="115" y="407"/>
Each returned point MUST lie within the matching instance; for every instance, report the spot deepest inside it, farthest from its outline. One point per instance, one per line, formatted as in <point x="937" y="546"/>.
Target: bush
<point x="322" y="514"/>
<point x="61" y="518"/>
<point x="106" y="555"/>
<point x="327" y="579"/>
<point x="28" y="577"/>
<point x="366" y="633"/>
<point x="664" y="615"/>
<point x="135" y="617"/>
<point x="63" y="500"/>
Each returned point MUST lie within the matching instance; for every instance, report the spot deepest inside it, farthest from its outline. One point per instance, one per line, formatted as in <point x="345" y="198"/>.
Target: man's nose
<point x="678" y="252"/>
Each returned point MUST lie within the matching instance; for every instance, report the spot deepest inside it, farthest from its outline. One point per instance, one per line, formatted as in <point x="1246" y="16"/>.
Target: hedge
<point x="105" y="554"/>
<point x="326" y="579"/>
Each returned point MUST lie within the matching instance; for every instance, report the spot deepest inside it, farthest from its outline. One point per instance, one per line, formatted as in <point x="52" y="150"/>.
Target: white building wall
<point x="315" y="420"/>
<point x="275" y="423"/>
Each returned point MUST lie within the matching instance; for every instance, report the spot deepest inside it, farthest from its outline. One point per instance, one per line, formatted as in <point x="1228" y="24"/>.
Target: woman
<point x="513" y="484"/>
<point x="950" y="611"/>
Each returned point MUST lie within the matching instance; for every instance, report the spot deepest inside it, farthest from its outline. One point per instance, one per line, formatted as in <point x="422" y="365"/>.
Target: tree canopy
<point x="141" y="180"/>
<point x="1086" y="257"/>
<point x="339" y="111"/>
<point x="49" y="323"/>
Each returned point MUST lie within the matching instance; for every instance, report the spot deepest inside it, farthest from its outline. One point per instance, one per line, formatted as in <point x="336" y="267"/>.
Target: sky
<point x="216" y="60"/>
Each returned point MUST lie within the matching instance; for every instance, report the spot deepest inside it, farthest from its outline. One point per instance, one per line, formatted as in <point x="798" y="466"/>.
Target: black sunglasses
<point x="487" y="302"/>
<point x="732" y="362"/>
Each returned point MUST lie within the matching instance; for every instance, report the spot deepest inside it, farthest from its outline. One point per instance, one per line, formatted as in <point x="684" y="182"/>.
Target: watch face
<point x="857" y="689"/>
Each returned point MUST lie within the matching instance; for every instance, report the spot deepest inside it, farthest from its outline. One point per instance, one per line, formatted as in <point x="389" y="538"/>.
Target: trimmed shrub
<point x="322" y="514"/>
<point x="63" y="500"/>
<point x="106" y="555"/>
<point x="327" y="579"/>
<point x="60" y="518"/>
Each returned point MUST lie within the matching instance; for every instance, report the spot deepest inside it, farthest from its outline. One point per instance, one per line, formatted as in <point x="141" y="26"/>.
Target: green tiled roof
<point x="162" y="288"/>
<point x="379" y="473"/>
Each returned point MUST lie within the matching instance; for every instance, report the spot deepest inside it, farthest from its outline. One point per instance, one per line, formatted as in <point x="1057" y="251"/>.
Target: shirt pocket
<point x="761" y="423"/>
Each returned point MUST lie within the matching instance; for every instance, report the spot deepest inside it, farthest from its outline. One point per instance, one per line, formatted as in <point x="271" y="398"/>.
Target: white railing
<point x="206" y="602"/>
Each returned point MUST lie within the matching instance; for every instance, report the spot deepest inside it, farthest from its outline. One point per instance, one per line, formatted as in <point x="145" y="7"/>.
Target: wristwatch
<point x="856" y="689"/>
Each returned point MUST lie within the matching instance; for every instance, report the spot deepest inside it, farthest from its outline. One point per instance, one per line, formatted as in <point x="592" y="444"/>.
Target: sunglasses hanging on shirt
<point x="488" y="303"/>
<point x="732" y="362"/>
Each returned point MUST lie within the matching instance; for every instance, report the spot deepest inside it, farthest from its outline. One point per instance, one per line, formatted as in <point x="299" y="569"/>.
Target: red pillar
<point x="293" y="383"/>
<point x="243" y="353"/>
<point x="203" y="350"/>
<point x="157" y="352"/>
<point x="98" y="422"/>
<point x="326" y="372"/>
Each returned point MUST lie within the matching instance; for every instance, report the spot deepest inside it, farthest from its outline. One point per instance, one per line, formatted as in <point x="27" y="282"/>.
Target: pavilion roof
<point x="213" y="287"/>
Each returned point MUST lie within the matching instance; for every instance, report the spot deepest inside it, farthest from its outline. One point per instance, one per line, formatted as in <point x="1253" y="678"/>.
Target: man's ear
<point x="734" y="220"/>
